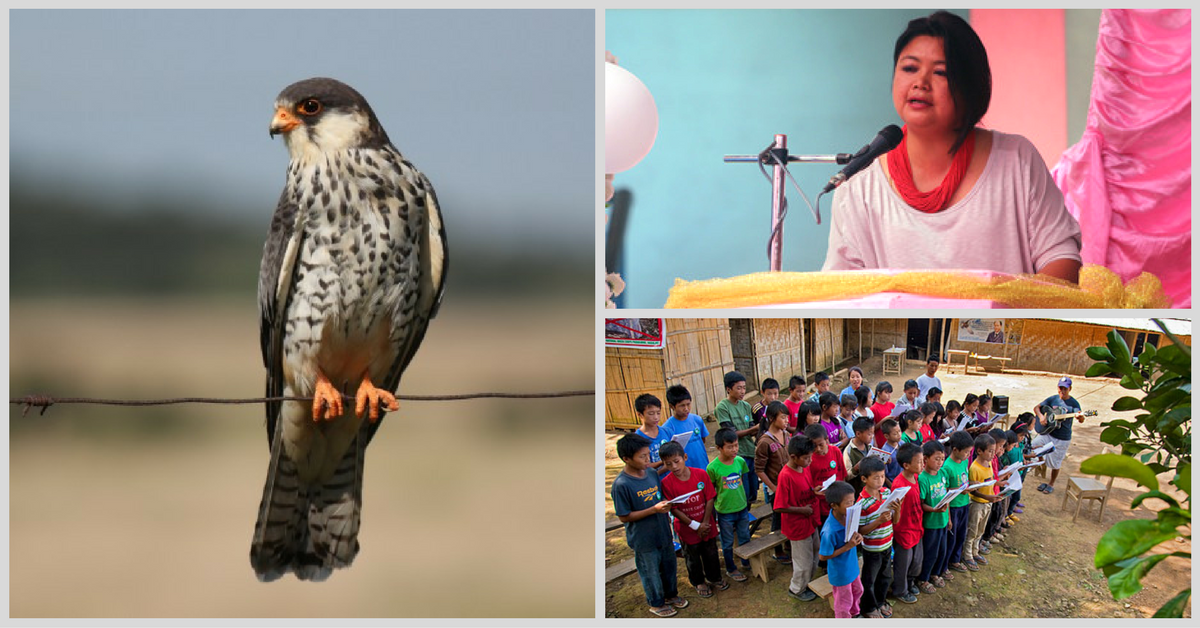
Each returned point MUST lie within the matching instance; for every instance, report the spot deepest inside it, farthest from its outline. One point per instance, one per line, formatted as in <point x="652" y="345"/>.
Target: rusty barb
<point x="45" y="401"/>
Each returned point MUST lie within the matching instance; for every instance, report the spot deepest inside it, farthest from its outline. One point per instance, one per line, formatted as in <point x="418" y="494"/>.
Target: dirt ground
<point x="1043" y="569"/>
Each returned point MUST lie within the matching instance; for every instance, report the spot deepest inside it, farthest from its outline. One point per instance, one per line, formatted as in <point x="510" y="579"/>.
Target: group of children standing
<point x="816" y="458"/>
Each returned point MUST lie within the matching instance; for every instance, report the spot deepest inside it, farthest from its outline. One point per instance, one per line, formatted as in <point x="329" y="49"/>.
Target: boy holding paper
<point x="638" y="503"/>
<point x="683" y="421"/>
<point x="827" y="461"/>
<point x="694" y="520"/>
<point x="876" y="528"/>
<point x="936" y="518"/>
<point x="982" y="498"/>
<point x="839" y="552"/>
<point x="649" y="410"/>
<point x="733" y="512"/>
<point x="857" y="449"/>
<point x="796" y="501"/>
<point x="955" y="471"/>
<point x="908" y="527"/>
<point x="891" y="432"/>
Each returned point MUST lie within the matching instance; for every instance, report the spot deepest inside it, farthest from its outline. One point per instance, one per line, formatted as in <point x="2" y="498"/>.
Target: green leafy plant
<point x="1156" y="441"/>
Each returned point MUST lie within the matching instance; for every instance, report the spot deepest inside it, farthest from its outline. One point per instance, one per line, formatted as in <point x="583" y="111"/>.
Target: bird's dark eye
<point x="310" y="107"/>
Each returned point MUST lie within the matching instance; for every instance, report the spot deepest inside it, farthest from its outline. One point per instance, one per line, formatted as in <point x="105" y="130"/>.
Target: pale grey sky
<point x="496" y="107"/>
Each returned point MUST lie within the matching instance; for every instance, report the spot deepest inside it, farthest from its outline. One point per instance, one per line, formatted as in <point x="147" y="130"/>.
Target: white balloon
<point x="630" y="119"/>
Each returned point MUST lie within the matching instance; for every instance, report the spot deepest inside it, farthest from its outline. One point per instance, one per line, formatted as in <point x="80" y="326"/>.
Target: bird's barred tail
<point x="307" y="529"/>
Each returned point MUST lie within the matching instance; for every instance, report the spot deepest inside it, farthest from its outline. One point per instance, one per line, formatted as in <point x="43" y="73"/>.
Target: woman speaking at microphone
<point x="951" y="195"/>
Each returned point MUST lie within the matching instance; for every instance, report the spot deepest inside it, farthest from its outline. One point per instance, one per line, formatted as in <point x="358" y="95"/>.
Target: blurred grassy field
<point x="148" y="512"/>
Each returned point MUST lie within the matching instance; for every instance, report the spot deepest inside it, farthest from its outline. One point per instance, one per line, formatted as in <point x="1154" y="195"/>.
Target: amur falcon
<point x="352" y="272"/>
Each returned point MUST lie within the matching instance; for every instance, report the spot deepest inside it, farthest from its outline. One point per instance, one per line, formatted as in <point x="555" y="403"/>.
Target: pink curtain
<point x="1129" y="179"/>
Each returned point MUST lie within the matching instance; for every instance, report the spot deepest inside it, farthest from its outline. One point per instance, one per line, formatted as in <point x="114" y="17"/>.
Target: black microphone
<point x="887" y="139"/>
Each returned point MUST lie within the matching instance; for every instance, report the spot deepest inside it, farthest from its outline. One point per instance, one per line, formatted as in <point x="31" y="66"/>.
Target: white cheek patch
<point x="334" y="132"/>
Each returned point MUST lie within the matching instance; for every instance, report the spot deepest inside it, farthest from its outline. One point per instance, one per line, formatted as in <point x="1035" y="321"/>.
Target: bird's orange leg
<point x="327" y="400"/>
<point x="372" y="397"/>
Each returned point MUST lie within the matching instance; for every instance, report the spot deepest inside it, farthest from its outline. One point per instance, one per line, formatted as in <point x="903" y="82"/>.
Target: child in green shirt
<point x="936" y="519"/>
<point x="733" y="513"/>
<point x="734" y="411"/>
<point x="955" y="471"/>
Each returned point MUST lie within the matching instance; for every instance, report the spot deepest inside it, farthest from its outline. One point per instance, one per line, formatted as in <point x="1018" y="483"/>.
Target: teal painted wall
<point x="725" y="82"/>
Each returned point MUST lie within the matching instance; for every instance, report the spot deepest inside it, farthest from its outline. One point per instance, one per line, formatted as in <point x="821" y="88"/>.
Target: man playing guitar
<point x="1052" y="430"/>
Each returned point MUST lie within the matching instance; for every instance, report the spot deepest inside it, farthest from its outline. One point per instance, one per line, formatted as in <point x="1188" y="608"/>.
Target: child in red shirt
<point x="882" y="409"/>
<point x="793" y="402"/>
<point x="796" y="501"/>
<point x="826" y="462"/>
<point x="908" y="527"/>
<point x="695" y="523"/>
<point x="928" y="410"/>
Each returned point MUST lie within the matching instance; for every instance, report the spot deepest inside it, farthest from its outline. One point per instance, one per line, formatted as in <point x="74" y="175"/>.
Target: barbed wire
<point x="45" y="401"/>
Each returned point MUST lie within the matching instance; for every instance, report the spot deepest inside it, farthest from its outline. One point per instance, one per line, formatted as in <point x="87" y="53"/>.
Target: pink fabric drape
<point x="1129" y="179"/>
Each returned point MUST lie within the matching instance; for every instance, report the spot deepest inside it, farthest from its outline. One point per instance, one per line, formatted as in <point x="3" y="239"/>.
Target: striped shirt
<point x="880" y="539"/>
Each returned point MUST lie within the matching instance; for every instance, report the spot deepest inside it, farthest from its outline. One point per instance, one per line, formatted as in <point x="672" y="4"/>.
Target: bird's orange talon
<point x="327" y="401"/>
<point x="371" y="398"/>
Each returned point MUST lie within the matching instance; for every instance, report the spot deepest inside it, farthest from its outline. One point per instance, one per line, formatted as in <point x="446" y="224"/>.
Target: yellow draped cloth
<point x="1098" y="287"/>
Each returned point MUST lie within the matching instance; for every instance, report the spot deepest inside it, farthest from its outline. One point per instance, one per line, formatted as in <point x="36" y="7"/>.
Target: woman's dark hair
<point x="967" y="71"/>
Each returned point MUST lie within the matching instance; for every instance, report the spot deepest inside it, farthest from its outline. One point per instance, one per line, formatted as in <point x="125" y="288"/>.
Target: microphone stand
<point x="777" y="156"/>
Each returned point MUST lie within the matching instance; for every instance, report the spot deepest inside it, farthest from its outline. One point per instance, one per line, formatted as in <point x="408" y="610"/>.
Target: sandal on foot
<point x="677" y="602"/>
<point x="886" y="610"/>
<point x="927" y="587"/>
<point x="937" y="581"/>
<point x="1049" y="489"/>
<point x="947" y="576"/>
<point x="737" y="576"/>
<point x="720" y="586"/>
<point x="971" y="566"/>
<point x="980" y="560"/>
<point x="958" y="567"/>
<point x="703" y="590"/>
<point x="1042" y="487"/>
<point x="875" y="614"/>
<point x="664" y="611"/>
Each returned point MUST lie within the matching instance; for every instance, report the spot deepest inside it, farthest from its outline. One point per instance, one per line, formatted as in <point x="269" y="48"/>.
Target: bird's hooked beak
<point x="283" y="122"/>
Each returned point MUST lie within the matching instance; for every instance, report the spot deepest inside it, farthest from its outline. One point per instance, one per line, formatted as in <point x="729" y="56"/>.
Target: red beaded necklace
<point x="938" y="198"/>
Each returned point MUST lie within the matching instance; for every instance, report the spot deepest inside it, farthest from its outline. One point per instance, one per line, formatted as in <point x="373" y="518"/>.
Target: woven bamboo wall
<point x="698" y="355"/>
<point x="741" y="341"/>
<point x="629" y="373"/>
<point x="827" y="338"/>
<point x="877" y="334"/>
<point x="1050" y="346"/>
<point x="776" y="349"/>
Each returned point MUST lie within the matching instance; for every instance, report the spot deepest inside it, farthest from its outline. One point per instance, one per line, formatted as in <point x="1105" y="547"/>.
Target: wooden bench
<point x="619" y="570"/>
<point x="757" y="551"/>
<point x="823" y="589"/>
<point x="758" y="515"/>
<point x="612" y="524"/>
<point x="997" y="358"/>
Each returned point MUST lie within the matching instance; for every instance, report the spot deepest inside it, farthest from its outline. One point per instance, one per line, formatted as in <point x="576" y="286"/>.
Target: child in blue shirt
<point x="682" y="420"/>
<point x="891" y="434"/>
<point x="639" y="504"/>
<point x="841" y="557"/>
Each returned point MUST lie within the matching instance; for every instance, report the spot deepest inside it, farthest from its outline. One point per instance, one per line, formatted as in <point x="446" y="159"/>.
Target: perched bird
<point x="352" y="272"/>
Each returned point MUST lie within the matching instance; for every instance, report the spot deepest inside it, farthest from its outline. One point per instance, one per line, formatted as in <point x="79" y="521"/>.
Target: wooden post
<point x="803" y="351"/>
<point x="860" y="358"/>
<point x="872" y="337"/>
<point x="942" y="342"/>
<point x="929" y="341"/>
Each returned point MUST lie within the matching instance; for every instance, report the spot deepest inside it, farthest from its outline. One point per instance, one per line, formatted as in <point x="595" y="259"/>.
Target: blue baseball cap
<point x="1064" y="382"/>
